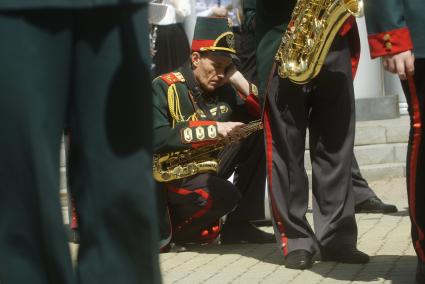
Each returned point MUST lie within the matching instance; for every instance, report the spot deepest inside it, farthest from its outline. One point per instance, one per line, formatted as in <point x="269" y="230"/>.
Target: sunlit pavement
<point x="386" y="238"/>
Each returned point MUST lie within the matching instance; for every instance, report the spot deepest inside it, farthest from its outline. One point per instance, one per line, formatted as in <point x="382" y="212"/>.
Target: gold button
<point x="387" y="37"/>
<point x="388" y="45"/>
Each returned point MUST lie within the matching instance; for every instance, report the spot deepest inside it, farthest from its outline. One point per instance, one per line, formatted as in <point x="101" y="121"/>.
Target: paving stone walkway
<point x="386" y="238"/>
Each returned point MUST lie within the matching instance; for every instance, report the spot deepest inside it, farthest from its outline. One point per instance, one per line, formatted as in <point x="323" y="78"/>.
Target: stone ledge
<point x="385" y="107"/>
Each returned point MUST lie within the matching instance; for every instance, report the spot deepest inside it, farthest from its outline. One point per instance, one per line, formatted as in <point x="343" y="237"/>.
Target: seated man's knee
<point x="227" y="195"/>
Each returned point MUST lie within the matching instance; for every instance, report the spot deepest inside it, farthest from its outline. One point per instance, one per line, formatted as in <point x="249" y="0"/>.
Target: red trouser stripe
<point x="269" y="158"/>
<point x="203" y="193"/>
<point x="74" y="216"/>
<point x="416" y="143"/>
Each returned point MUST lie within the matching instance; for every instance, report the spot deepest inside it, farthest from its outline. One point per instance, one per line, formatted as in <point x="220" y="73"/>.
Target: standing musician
<point x="58" y="63"/>
<point x="365" y="199"/>
<point x="197" y="106"/>
<point x="326" y="106"/>
<point x="395" y="31"/>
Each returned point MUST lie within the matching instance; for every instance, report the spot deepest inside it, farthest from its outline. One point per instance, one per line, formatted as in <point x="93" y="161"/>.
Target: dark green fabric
<point x="271" y="20"/>
<point x="265" y="56"/>
<point x="64" y="63"/>
<point x="249" y="4"/>
<point x="210" y="28"/>
<point x="387" y="15"/>
<point x="68" y="4"/>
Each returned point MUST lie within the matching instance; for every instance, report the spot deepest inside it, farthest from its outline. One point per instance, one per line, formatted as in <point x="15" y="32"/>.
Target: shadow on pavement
<point x="398" y="269"/>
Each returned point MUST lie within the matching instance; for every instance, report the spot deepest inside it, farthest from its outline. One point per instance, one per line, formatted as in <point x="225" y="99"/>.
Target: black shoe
<point x="345" y="255"/>
<point x="240" y="233"/>
<point x="375" y="205"/>
<point x="299" y="259"/>
<point x="420" y="272"/>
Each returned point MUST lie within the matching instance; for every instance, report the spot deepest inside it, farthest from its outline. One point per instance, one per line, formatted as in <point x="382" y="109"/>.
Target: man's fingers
<point x="400" y="68"/>
<point x="410" y="65"/>
<point x="391" y="66"/>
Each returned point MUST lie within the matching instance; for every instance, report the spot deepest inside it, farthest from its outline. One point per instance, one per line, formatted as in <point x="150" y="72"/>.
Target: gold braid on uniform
<point x="174" y="106"/>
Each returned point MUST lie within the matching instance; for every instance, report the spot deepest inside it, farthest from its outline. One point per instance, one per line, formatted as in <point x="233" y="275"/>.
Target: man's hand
<point x="230" y="73"/>
<point x="402" y="64"/>
<point x="228" y="129"/>
<point x="239" y="82"/>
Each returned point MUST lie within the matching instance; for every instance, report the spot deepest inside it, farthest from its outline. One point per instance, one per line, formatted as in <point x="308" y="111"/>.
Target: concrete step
<point x="382" y="131"/>
<point x="383" y="171"/>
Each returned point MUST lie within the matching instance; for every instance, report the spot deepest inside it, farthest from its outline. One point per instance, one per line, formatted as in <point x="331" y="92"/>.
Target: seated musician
<point x="201" y="106"/>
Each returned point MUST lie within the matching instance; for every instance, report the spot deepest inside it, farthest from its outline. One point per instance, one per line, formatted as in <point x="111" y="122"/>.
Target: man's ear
<point x="195" y="58"/>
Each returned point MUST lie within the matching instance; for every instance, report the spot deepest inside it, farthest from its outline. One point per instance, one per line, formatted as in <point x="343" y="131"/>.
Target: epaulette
<point x="172" y="78"/>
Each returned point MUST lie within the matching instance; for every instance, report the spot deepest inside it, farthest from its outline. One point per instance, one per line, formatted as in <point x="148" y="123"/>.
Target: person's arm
<point x="246" y="90"/>
<point x="183" y="7"/>
<point x="389" y="36"/>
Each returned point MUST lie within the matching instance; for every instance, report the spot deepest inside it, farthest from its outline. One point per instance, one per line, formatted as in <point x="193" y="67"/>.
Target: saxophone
<point x="186" y="163"/>
<point x="309" y="35"/>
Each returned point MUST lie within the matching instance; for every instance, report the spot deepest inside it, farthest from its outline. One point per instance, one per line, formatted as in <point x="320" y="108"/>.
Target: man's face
<point x="210" y="70"/>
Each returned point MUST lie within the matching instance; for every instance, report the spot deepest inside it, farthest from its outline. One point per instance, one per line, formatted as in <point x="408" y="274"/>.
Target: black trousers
<point x="326" y="107"/>
<point x="94" y="65"/>
<point x="246" y="50"/>
<point x="196" y="203"/>
<point x="414" y="90"/>
<point x="361" y="188"/>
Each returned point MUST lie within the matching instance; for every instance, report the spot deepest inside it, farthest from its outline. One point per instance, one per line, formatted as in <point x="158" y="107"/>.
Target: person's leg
<point x="414" y="90"/>
<point x="365" y="198"/>
<point x="285" y="122"/>
<point x="331" y="150"/>
<point x="198" y="202"/>
<point x="35" y="55"/>
<point x="250" y="179"/>
<point x="110" y="157"/>
<point x="362" y="191"/>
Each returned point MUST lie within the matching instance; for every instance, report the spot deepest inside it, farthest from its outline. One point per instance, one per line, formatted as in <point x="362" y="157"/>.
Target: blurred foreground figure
<point x="89" y="62"/>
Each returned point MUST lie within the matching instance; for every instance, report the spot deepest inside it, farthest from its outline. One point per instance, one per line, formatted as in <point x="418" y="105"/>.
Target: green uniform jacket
<point x="179" y="125"/>
<point x="395" y="26"/>
<point x="40" y="4"/>
<point x="272" y="18"/>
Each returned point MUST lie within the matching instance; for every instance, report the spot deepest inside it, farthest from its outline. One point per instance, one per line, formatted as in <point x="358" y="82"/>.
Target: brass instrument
<point x="177" y="165"/>
<point x="308" y="37"/>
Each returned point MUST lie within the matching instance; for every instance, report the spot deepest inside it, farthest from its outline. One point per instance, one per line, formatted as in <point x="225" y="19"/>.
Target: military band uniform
<point x="89" y="59"/>
<point x="247" y="55"/>
<point x="396" y="26"/>
<point x="197" y="202"/>
<point x="326" y="107"/>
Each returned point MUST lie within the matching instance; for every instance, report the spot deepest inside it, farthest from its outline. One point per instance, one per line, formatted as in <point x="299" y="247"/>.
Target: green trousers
<point x="87" y="68"/>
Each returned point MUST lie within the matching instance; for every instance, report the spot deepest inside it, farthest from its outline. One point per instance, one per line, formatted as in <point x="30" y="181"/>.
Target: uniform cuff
<point x="390" y="42"/>
<point x="252" y="101"/>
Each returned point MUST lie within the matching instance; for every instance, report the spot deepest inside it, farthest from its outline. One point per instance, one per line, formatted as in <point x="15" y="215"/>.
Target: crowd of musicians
<point x="227" y="131"/>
